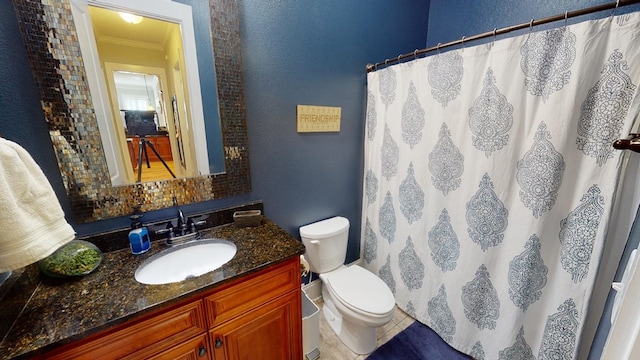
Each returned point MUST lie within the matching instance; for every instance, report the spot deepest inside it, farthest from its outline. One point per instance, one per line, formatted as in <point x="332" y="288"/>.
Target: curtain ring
<point x="462" y="41"/>
<point x="415" y="54"/>
<point x="566" y="16"/>
<point x="438" y="48"/>
<point x="613" y="12"/>
<point x="530" y="28"/>
<point x="494" y="34"/>
<point x="386" y="61"/>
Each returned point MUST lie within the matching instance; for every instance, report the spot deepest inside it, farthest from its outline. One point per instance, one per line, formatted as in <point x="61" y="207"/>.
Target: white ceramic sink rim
<point x="185" y="261"/>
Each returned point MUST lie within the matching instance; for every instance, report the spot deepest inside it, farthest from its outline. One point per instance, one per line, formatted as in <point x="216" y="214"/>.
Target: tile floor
<point x="331" y="348"/>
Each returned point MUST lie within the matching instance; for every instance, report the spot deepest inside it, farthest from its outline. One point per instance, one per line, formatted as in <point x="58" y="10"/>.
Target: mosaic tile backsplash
<point x="53" y="50"/>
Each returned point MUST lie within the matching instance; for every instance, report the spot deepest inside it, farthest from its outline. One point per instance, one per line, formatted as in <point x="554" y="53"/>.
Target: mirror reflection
<point x="143" y="115"/>
<point x="152" y="113"/>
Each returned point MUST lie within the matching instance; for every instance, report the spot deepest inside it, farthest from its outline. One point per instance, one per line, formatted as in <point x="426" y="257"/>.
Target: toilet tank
<point x="326" y="243"/>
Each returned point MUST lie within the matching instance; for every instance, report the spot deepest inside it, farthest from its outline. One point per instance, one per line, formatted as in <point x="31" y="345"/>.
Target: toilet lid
<point x="362" y="290"/>
<point x="325" y="228"/>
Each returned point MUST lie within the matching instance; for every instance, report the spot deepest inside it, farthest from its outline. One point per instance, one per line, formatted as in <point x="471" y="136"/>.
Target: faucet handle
<point x="163" y="231"/>
<point x="167" y="229"/>
<point x="192" y="224"/>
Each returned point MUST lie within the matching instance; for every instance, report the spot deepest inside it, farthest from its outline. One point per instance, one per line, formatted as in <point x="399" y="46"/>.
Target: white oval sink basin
<point x="185" y="261"/>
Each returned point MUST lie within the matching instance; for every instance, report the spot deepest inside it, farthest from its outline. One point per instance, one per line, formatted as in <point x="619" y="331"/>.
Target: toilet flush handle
<point x="315" y="242"/>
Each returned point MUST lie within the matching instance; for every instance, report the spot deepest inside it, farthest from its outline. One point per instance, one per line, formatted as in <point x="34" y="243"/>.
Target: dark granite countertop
<point x="52" y="312"/>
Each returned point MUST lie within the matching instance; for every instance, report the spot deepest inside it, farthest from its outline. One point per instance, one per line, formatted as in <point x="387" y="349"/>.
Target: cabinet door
<point x="153" y="141"/>
<point x="194" y="349"/>
<point x="269" y="332"/>
<point x="164" y="147"/>
<point x="238" y="299"/>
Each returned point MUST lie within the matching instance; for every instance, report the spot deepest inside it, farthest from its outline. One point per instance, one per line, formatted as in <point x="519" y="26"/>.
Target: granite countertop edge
<point x="61" y="311"/>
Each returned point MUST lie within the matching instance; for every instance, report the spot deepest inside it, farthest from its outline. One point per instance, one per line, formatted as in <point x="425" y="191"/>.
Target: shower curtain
<point x="489" y="181"/>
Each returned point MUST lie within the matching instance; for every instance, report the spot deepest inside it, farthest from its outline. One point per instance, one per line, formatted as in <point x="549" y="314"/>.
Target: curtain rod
<point x="495" y="32"/>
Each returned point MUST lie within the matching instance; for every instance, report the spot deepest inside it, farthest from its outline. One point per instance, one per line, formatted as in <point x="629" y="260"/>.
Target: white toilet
<point x="356" y="301"/>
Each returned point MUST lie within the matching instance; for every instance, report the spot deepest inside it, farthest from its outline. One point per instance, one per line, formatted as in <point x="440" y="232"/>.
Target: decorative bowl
<point x="76" y="258"/>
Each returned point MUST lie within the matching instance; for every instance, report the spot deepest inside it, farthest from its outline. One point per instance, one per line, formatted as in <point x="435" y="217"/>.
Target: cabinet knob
<point x="202" y="351"/>
<point x="218" y="344"/>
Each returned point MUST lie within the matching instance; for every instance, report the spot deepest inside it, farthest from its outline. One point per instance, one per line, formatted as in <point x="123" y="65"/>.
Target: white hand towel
<point x="32" y="223"/>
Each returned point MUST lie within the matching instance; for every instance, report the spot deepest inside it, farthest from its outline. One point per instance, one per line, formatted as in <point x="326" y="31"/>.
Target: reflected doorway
<point x="139" y="106"/>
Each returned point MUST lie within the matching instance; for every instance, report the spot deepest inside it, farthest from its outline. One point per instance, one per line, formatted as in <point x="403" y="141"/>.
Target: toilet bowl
<point x="356" y="301"/>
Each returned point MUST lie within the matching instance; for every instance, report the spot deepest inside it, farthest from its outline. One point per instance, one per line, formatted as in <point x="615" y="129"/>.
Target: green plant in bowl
<point x="76" y="258"/>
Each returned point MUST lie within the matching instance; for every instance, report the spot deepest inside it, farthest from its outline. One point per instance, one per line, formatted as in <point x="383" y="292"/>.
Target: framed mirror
<point x="51" y="36"/>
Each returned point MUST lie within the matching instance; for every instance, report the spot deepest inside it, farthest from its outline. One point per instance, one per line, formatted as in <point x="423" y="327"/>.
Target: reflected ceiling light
<point x="130" y="18"/>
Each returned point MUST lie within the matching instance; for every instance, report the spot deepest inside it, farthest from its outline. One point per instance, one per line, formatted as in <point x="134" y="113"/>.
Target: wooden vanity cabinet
<point x="254" y="317"/>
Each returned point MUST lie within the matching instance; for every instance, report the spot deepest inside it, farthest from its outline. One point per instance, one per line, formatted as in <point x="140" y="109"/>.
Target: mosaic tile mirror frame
<point x="53" y="50"/>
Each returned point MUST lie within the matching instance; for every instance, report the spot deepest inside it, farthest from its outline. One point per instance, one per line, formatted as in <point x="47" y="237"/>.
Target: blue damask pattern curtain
<point x="490" y="180"/>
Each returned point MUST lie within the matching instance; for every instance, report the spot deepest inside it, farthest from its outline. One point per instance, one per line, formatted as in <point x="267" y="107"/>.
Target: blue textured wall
<point x="314" y="53"/>
<point x="450" y="20"/>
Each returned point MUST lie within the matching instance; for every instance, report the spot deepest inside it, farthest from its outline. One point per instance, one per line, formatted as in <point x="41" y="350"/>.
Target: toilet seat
<point x="360" y="290"/>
